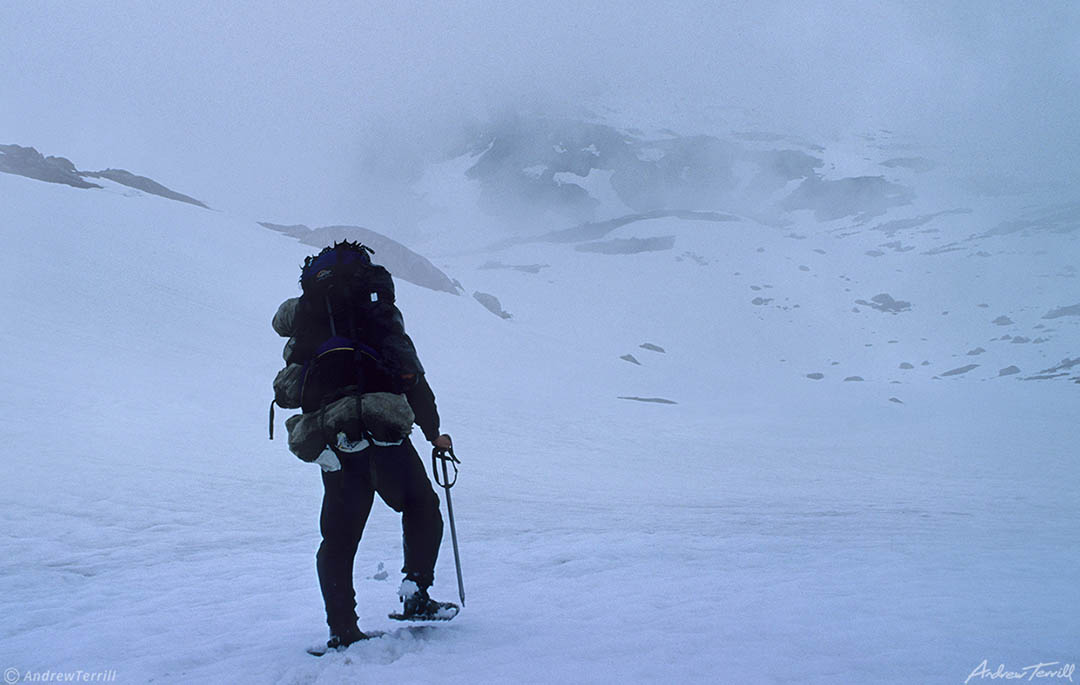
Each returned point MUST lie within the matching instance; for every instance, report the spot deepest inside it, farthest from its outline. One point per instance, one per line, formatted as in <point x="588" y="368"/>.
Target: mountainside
<point x="822" y="441"/>
<point x="26" y="161"/>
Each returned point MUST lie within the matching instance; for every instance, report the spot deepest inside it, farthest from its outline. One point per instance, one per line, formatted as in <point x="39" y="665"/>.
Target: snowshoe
<point x="416" y="605"/>
<point x="338" y="643"/>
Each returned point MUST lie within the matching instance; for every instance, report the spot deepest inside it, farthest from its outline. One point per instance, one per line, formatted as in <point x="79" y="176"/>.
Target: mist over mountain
<point x="756" y="325"/>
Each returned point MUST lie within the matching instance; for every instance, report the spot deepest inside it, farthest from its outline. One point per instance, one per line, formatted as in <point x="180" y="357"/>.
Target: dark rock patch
<point x="630" y="358"/>
<point x="1063" y="365"/>
<point x="401" y="261"/>
<point x="1009" y="371"/>
<point x="597" y="230"/>
<point x="891" y="228"/>
<point x="651" y="347"/>
<point x="492" y="304"/>
<point x="1002" y="321"/>
<point x="28" y="162"/>
<point x="147" y="185"/>
<point x="885" y="303"/>
<point x="815" y="376"/>
<point x="1059" y="219"/>
<point x="861" y="196"/>
<point x="654" y="400"/>
<point x="960" y="370"/>
<point x="1071" y="310"/>
<point x="898" y="246"/>
<point x="629" y="245"/>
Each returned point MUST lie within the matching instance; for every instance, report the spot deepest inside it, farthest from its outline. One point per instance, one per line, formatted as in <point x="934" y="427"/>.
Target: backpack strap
<point x="272" y="417"/>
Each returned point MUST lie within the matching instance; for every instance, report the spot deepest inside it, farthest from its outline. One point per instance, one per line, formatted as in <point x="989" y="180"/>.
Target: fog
<point x="324" y="112"/>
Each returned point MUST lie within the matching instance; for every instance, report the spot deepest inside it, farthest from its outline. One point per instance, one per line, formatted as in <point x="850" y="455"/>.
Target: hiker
<point x="355" y="373"/>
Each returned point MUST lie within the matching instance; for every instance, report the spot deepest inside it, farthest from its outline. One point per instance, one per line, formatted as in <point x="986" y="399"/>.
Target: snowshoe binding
<point x="416" y="605"/>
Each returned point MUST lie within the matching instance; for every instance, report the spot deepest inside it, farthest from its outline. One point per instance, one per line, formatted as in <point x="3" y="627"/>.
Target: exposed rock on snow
<point x="863" y="197"/>
<point x="898" y="246"/>
<point x="26" y="161"/>
<point x="524" y="166"/>
<point x="491" y="303"/>
<point x="1009" y="371"/>
<point x="1002" y="321"/>
<point x="1071" y="310"/>
<point x="885" y="303"/>
<point x="630" y="358"/>
<point x="652" y="347"/>
<point x="142" y="183"/>
<point x="629" y="245"/>
<point x="815" y="376"/>
<point x="654" y="400"/>
<point x="1063" y="365"/>
<point x="597" y="230"/>
<point x="975" y="352"/>
<point x="1058" y="219"/>
<point x="401" y="261"/>
<point x="891" y="228"/>
<point x="960" y="370"/>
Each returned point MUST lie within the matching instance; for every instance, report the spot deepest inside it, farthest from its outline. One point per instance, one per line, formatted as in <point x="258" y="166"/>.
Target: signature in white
<point x="1041" y="670"/>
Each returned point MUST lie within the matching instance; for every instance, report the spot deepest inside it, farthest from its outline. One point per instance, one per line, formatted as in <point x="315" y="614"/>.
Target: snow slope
<point x="768" y="527"/>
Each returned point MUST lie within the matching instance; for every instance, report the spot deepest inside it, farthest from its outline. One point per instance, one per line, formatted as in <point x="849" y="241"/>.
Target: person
<point x="381" y="359"/>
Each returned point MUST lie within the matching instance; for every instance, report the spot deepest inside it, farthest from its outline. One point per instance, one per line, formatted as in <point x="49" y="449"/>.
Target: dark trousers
<point x="400" y="478"/>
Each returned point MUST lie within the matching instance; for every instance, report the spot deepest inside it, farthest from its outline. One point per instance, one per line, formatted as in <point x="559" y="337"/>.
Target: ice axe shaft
<point x="447" y="456"/>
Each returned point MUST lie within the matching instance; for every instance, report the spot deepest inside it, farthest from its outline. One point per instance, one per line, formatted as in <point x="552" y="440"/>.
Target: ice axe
<point x="446" y="456"/>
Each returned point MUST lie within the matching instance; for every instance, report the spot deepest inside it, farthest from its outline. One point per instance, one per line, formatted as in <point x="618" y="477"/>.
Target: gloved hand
<point x="328" y="461"/>
<point x="442" y="442"/>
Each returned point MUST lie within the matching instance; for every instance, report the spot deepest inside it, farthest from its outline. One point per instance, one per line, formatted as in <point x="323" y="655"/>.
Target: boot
<point x="343" y="638"/>
<point x="340" y="640"/>
<point x="418" y="606"/>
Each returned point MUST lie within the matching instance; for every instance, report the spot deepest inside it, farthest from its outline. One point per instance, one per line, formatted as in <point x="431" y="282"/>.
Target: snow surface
<point x="766" y="528"/>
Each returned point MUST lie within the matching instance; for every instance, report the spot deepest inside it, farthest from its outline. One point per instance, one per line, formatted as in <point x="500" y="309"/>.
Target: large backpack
<point x="348" y="331"/>
<point x="347" y="336"/>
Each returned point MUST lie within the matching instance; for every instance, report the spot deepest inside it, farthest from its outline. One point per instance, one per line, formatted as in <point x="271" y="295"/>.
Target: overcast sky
<point x="267" y="111"/>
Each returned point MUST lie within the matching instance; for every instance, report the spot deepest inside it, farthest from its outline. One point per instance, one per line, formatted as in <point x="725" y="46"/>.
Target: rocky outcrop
<point x="863" y="197"/>
<point x="26" y="161"/>
<point x="885" y="303"/>
<point x="492" y="304"/>
<point x="401" y="261"/>
<point x="629" y="245"/>
<point x="147" y="185"/>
